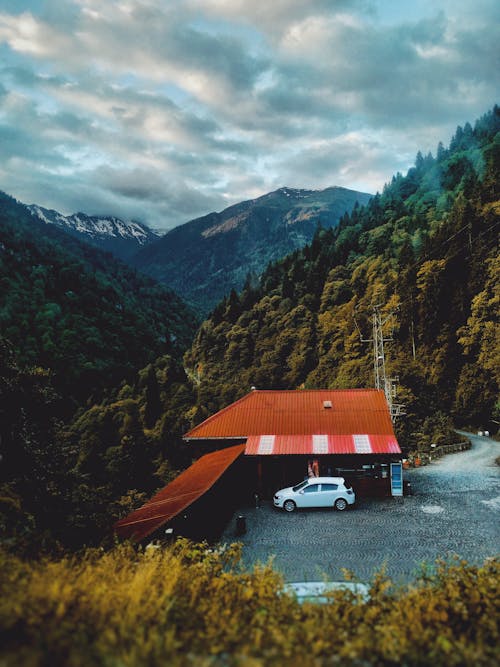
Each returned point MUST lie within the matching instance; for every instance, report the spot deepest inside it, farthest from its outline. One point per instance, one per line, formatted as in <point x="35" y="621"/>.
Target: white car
<point x="316" y="492"/>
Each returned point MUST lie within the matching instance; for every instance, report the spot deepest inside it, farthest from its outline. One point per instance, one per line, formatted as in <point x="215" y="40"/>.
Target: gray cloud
<point x="163" y="111"/>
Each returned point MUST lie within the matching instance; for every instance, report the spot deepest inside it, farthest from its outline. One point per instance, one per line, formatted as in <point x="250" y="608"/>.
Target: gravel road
<point x="454" y="509"/>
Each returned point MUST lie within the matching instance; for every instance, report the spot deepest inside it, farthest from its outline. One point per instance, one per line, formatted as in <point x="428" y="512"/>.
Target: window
<point x="329" y="487"/>
<point x="312" y="488"/>
<point x="299" y="486"/>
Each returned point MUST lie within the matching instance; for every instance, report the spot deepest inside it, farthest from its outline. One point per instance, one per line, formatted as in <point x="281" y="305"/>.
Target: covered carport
<point x="195" y="504"/>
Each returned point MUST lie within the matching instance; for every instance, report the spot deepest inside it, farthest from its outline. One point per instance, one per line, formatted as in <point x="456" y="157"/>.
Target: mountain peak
<point x="122" y="238"/>
<point x="206" y="258"/>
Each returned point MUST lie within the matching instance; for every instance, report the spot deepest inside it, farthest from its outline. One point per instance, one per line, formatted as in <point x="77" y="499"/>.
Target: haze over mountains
<point x="203" y="260"/>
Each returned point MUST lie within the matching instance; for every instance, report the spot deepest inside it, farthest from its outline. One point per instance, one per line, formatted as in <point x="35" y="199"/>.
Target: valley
<point x="115" y="368"/>
<point x="249" y="333"/>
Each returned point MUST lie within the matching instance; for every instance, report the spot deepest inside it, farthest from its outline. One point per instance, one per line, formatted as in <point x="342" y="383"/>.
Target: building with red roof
<point x="271" y="439"/>
<point x="345" y="431"/>
<point x="336" y="421"/>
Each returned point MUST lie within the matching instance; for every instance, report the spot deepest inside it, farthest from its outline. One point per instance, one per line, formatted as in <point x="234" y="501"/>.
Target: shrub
<point x="190" y="605"/>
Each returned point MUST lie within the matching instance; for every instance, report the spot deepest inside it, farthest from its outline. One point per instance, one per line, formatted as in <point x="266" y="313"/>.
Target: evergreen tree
<point x="152" y="407"/>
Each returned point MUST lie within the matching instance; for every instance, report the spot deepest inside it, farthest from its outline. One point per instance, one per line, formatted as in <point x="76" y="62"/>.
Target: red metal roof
<point x="300" y="412"/>
<point x="179" y="494"/>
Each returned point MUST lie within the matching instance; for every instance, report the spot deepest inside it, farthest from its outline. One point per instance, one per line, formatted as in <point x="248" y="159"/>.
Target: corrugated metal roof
<point x="302" y="412"/>
<point x="329" y="444"/>
<point x="179" y="494"/>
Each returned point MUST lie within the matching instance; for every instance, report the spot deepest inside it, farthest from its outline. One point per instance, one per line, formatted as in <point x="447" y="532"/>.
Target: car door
<point x="329" y="494"/>
<point x="310" y="496"/>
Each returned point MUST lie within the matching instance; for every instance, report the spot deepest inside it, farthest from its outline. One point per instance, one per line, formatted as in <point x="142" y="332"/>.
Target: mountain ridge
<point x="108" y="232"/>
<point x="205" y="258"/>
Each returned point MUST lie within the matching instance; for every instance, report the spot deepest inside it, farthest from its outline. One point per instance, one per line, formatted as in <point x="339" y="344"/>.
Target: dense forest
<point x="426" y="250"/>
<point x="95" y="394"/>
<point x="77" y="311"/>
<point x="66" y="481"/>
<point x="76" y="327"/>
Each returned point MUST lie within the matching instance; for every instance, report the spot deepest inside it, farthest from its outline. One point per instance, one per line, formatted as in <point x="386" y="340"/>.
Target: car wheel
<point x="288" y="505"/>
<point x="340" y="504"/>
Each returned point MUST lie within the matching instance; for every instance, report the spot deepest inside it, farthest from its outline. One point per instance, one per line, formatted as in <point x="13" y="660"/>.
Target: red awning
<point x="179" y="494"/>
<point x="362" y="443"/>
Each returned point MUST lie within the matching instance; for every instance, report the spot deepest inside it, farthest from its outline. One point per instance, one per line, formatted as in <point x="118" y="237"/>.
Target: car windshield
<point x="297" y="487"/>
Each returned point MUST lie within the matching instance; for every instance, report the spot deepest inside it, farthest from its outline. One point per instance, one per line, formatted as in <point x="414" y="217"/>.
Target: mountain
<point x="70" y="308"/>
<point x="121" y="238"/>
<point x="426" y="250"/>
<point x="205" y="259"/>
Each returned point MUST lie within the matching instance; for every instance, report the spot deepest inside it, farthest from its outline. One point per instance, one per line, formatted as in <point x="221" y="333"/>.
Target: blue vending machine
<point x="396" y="479"/>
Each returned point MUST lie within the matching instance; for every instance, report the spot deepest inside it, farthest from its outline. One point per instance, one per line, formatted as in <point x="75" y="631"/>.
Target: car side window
<point x="312" y="488"/>
<point x="329" y="487"/>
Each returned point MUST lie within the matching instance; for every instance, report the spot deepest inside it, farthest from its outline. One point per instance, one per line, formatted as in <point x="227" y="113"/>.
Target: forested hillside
<point x="70" y="481"/>
<point x="80" y="323"/>
<point x="78" y="312"/>
<point x="77" y="415"/>
<point x="426" y="248"/>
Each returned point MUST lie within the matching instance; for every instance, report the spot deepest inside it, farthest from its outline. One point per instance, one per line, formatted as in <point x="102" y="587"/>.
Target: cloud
<point x="163" y="111"/>
<point x="353" y="160"/>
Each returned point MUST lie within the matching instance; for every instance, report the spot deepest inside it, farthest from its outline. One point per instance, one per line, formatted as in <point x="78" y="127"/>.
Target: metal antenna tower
<point x="387" y="384"/>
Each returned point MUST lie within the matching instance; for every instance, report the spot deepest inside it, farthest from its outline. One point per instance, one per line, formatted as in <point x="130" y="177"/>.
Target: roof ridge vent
<point x="327" y="404"/>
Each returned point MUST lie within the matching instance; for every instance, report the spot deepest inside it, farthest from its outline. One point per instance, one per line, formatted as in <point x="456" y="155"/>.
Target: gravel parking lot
<point x="454" y="509"/>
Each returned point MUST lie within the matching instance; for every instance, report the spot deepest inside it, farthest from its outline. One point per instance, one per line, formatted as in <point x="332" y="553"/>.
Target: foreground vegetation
<point x="189" y="605"/>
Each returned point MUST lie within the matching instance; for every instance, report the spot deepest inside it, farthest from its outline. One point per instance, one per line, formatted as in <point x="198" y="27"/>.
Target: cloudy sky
<point x="163" y="110"/>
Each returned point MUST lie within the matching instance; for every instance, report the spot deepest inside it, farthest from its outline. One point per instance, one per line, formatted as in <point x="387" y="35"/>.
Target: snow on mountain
<point x="123" y="238"/>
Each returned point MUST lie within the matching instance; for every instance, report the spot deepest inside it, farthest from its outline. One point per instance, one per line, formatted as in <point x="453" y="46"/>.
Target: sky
<point x="165" y="110"/>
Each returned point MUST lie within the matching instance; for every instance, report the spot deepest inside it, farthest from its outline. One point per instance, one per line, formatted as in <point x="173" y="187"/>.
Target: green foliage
<point x="34" y="462"/>
<point x="77" y="311"/>
<point x="70" y="482"/>
<point x="128" y="447"/>
<point x="188" y="604"/>
<point x="426" y="246"/>
<point x="75" y="324"/>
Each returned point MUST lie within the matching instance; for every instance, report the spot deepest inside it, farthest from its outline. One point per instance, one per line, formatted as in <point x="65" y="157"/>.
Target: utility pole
<point x="387" y="384"/>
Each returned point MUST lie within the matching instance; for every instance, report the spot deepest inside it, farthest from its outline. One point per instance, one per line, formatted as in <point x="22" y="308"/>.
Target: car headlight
<point x="278" y="497"/>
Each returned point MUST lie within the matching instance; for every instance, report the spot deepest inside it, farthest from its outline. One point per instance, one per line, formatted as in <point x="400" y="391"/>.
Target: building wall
<point x="369" y="475"/>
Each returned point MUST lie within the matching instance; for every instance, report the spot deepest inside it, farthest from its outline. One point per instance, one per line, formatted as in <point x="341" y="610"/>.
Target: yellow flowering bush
<point x="188" y="604"/>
